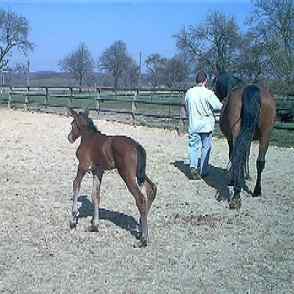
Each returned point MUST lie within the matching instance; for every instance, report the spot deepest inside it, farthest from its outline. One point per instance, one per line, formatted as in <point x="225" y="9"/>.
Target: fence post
<point x="97" y="101"/>
<point x="27" y="100"/>
<point x="134" y="106"/>
<point x="70" y="97"/>
<point x="9" y="98"/>
<point x="95" y="96"/>
<point x="182" y="120"/>
<point x="46" y="97"/>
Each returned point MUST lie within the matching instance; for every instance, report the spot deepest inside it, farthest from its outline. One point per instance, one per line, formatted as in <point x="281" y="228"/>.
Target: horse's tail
<point x="141" y="164"/>
<point x="250" y="114"/>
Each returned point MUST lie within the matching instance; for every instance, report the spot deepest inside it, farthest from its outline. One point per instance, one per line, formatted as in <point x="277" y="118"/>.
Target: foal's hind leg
<point x="76" y="190"/>
<point x="151" y="191"/>
<point x="97" y="178"/>
<point x="141" y="198"/>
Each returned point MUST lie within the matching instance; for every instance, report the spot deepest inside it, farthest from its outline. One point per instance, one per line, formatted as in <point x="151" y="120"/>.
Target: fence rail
<point x="149" y="103"/>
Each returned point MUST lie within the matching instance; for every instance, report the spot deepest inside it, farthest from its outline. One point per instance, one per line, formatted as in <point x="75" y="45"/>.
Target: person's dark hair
<point x="201" y="76"/>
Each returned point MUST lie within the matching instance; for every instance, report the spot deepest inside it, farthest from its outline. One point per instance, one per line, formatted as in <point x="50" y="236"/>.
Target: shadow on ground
<point x="217" y="179"/>
<point x="122" y="220"/>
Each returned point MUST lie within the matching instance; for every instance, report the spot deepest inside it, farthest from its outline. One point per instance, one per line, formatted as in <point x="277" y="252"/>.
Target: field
<point x="118" y="107"/>
<point x="197" y="245"/>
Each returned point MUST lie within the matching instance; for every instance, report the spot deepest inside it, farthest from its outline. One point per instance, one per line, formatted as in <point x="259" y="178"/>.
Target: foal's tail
<point x="141" y="164"/>
<point x="250" y="115"/>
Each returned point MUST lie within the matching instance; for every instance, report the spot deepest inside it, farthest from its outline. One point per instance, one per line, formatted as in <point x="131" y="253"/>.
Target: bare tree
<point x="130" y="76"/>
<point x="23" y="70"/>
<point x="273" y="22"/>
<point x="115" y="61"/>
<point x="14" y="31"/>
<point x="155" y="65"/>
<point x="80" y="64"/>
<point x="176" y="72"/>
<point x="253" y="62"/>
<point x="214" y="42"/>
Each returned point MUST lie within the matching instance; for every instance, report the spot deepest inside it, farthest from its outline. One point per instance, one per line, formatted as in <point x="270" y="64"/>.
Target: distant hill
<point x="51" y="79"/>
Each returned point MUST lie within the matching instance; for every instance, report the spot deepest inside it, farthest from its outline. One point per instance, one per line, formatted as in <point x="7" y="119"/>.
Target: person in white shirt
<point x="200" y="102"/>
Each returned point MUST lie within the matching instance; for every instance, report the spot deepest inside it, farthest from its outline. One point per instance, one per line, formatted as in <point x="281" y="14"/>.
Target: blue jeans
<point x="199" y="148"/>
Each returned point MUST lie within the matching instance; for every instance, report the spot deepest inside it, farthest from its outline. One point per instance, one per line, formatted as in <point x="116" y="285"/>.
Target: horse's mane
<point x="225" y="82"/>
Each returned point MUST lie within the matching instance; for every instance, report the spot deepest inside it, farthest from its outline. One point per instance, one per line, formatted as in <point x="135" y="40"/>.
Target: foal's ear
<point x="71" y="112"/>
<point x="86" y="112"/>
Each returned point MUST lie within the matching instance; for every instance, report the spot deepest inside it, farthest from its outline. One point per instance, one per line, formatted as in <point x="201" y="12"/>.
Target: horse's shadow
<point x="217" y="178"/>
<point x="122" y="220"/>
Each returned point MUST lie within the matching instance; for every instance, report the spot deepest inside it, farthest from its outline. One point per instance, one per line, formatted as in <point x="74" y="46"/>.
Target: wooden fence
<point x="159" y="104"/>
<point x="152" y="103"/>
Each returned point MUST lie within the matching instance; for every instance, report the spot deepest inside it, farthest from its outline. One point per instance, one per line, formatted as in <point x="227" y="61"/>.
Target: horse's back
<point x="96" y="152"/>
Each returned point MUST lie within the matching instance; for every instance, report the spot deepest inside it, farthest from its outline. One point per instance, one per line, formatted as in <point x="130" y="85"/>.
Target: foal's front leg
<point x="97" y="177"/>
<point x="76" y="190"/>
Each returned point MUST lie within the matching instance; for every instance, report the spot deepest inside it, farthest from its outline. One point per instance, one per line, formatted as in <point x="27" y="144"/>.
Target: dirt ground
<point x="197" y="245"/>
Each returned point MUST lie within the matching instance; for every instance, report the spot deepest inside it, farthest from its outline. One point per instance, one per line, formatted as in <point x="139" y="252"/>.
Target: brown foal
<point x="98" y="152"/>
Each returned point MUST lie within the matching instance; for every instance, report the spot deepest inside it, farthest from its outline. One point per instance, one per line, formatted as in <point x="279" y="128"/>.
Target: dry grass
<point x="197" y="245"/>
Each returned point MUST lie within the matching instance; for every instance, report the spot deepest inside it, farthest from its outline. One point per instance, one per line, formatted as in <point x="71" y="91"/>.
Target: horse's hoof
<point x="140" y="244"/>
<point x="235" y="203"/>
<point x="256" y="193"/>
<point x="138" y="235"/>
<point x="93" y="228"/>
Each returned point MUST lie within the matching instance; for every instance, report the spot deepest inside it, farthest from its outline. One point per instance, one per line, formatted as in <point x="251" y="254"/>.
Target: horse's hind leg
<point x="97" y="178"/>
<point x="76" y="190"/>
<point x="260" y="163"/>
<point x="247" y="173"/>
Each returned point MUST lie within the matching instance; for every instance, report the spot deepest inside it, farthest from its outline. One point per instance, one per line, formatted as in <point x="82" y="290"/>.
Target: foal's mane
<point x="91" y="126"/>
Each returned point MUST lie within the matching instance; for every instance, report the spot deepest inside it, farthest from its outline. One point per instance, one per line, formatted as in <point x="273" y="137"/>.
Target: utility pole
<point x="28" y="73"/>
<point x="140" y="69"/>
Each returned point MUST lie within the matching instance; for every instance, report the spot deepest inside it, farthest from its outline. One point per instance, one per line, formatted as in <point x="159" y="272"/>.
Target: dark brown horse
<point x="98" y="152"/>
<point x="248" y="113"/>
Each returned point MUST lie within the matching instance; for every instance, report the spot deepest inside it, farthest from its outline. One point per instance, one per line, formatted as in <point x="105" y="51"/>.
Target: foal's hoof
<point x="235" y="203"/>
<point x="72" y="225"/>
<point x="140" y="244"/>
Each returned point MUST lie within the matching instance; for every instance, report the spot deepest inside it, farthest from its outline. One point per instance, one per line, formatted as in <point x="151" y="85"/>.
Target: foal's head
<point x="81" y="123"/>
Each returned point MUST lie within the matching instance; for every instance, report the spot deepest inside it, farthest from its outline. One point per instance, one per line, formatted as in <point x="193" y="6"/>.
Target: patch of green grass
<point x="282" y="137"/>
<point x="279" y="137"/>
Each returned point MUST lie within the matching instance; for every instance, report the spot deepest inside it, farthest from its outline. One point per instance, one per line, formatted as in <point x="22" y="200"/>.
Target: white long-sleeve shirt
<point x="200" y="103"/>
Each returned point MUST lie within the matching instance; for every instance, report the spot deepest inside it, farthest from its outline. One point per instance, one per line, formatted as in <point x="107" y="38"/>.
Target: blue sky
<point x="58" y="26"/>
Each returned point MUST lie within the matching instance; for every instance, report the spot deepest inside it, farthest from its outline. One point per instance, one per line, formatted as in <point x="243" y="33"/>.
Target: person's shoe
<point x="194" y="174"/>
